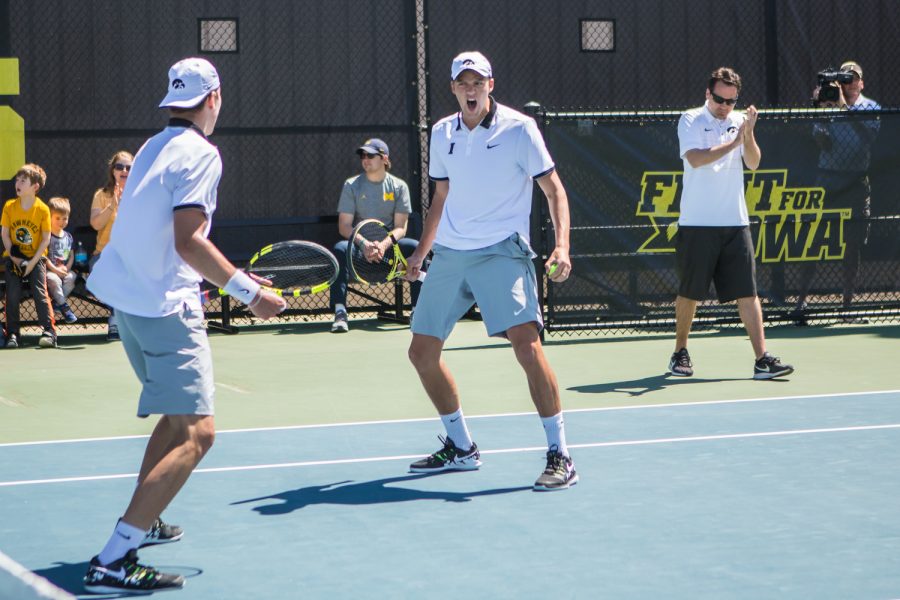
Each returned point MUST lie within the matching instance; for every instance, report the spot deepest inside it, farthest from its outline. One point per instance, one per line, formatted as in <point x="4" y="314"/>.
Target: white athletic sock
<point x="339" y="308"/>
<point x="124" y="538"/>
<point x="455" y="424"/>
<point x="555" y="428"/>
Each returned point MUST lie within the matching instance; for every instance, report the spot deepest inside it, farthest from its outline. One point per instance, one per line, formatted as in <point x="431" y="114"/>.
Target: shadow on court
<point x="368" y="492"/>
<point x="70" y="577"/>
<point x="645" y="385"/>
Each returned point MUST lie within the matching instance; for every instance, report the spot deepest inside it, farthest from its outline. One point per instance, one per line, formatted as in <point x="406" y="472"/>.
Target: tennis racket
<point x="294" y="268"/>
<point x="362" y="262"/>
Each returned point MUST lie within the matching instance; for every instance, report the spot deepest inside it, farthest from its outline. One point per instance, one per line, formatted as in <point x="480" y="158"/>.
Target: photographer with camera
<point x="844" y="156"/>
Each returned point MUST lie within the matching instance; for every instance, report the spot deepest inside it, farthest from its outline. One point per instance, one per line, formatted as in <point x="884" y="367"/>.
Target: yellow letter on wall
<point x="12" y="126"/>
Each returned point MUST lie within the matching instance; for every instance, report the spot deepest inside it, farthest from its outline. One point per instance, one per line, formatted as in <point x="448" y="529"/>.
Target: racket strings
<point x="365" y="270"/>
<point x="295" y="265"/>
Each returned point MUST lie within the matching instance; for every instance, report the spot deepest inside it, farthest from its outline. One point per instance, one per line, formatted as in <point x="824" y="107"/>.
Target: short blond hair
<point x="58" y="204"/>
<point x="34" y="173"/>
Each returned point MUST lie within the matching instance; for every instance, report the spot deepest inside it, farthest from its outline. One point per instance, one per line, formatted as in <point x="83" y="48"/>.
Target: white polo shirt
<point x="139" y="271"/>
<point x="491" y="170"/>
<point x="712" y="195"/>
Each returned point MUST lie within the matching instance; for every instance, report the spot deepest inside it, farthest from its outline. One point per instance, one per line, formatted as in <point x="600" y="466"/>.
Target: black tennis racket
<point x="294" y="268"/>
<point x="365" y="264"/>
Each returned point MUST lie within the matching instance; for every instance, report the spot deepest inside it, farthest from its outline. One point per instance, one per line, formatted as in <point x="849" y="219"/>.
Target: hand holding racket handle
<point x="267" y="305"/>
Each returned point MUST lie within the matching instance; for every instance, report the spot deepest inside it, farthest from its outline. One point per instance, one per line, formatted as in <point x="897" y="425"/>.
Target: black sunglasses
<point x="121" y="167"/>
<point x="720" y="100"/>
<point x="367" y="155"/>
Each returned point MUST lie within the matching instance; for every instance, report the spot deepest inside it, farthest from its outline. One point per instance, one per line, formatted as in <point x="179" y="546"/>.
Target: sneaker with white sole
<point x="559" y="473"/>
<point x="47" y="340"/>
<point x="162" y="533"/>
<point x="680" y="364"/>
<point x="127" y="576"/>
<point x="448" y="458"/>
<point x="770" y="367"/>
<point x="340" y="324"/>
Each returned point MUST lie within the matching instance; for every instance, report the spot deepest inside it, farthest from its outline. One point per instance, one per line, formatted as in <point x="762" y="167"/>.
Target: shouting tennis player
<point x="150" y="273"/>
<point x="483" y="161"/>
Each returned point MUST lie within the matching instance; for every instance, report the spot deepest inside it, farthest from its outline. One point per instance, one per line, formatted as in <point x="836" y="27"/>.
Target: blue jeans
<point x="339" y="288"/>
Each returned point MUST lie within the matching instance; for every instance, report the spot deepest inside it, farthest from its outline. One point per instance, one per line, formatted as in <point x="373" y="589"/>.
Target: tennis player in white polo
<point x="484" y="160"/>
<point x="150" y="273"/>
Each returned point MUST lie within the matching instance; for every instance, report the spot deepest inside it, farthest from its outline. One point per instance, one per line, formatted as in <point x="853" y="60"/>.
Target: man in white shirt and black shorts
<point x="713" y="243"/>
<point x="150" y="273"/>
<point x="484" y="161"/>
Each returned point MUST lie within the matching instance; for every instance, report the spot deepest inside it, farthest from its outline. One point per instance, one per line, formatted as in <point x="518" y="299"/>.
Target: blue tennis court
<point x="779" y="497"/>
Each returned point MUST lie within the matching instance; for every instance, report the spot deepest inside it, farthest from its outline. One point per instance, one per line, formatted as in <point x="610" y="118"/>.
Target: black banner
<point x="824" y="207"/>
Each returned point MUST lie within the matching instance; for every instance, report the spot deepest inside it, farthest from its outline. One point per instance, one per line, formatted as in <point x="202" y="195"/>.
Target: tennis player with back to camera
<point x="170" y="197"/>
<point x="484" y="160"/>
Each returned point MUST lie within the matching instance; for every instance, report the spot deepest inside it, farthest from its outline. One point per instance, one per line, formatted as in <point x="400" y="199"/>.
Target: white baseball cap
<point x="190" y="81"/>
<point x="470" y="61"/>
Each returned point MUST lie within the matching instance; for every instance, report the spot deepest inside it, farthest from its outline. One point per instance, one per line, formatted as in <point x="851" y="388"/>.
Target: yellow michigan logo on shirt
<point x="389" y="196"/>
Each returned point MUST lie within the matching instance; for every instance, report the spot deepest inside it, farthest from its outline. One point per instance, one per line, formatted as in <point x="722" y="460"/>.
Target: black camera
<point x="829" y="88"/>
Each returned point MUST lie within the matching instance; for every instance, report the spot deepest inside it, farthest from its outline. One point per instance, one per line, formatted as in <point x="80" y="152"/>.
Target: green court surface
<point x="716" y="486"/>
<point x="299" y="373"/>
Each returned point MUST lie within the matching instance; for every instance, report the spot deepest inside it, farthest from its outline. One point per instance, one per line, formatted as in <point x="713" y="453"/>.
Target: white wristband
<point x="242" y="287"/>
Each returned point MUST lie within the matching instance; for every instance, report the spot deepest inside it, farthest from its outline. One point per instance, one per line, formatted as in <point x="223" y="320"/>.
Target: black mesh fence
<point x="305" y="82"/>
<point x="824" y="209"/>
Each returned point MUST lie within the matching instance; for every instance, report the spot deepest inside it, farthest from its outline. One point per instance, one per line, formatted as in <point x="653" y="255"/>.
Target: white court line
<point x="492" y="416"/>
<point x="343" y="461"/>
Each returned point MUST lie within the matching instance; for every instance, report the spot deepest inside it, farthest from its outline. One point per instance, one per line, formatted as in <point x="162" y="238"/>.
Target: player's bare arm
<point x="197" y="251"/>
<point x="558" y="203"/>
<point x="429" y="229"/>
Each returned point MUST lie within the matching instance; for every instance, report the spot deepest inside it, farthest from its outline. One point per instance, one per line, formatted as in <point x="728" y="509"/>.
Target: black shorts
<point x="720" y="255"/>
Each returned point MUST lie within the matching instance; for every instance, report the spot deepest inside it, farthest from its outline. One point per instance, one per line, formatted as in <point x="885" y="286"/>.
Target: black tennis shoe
<point x="162" y="533"/>
<point x="127" y="576"/>
<point x="559" y="473"/>
<point x="448" y="458"/>
<point x="680" y="364"/>
<point x="770" y="367"/>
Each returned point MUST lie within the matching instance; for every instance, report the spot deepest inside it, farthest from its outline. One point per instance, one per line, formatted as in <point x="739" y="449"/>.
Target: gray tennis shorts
<point x="500" y="278"/>
<point x="171" y="357"/>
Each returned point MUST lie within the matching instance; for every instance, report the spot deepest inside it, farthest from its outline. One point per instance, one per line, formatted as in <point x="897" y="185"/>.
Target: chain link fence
<point x="305" y="82"/>
<point x="824" y="210"/>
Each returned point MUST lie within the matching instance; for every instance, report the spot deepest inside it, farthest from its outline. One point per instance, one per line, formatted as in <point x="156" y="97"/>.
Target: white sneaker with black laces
<point x="127" y="576"/>
<point x="448" y="458"/>
<point x="770" y="367"/>
<point x="559" y="474"/>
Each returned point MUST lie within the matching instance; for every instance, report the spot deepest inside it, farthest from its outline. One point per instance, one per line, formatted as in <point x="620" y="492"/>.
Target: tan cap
<point x="852" y="67"/>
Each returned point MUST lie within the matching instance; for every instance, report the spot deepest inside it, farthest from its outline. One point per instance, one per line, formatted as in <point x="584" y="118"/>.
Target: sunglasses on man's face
<point x="720" y="100"/>
<point x="367" y="155"/>
<point x="121" y="167"/>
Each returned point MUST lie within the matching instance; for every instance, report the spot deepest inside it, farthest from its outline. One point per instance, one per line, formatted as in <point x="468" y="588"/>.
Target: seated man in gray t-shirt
<point x="373" y="194"/>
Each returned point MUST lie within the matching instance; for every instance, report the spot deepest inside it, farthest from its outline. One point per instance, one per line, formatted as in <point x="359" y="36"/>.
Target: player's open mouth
<point x="471" y="104"/>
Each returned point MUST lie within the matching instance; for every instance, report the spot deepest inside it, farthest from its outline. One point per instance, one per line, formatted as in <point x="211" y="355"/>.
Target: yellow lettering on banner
<point x="795" y="224"/>
<point x="12" y="126"/>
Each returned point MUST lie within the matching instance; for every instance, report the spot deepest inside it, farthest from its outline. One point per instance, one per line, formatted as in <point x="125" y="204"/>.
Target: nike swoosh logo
<point x="494" y="146"/>
<point x="122" y="535"/>
<point x="454" y="420"/>
<point x="705" y="129"/>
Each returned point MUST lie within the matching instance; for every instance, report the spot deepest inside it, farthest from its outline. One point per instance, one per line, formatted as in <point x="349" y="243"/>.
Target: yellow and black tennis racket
<point x="293" y="268"/>
<point x="370" y="266"/>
